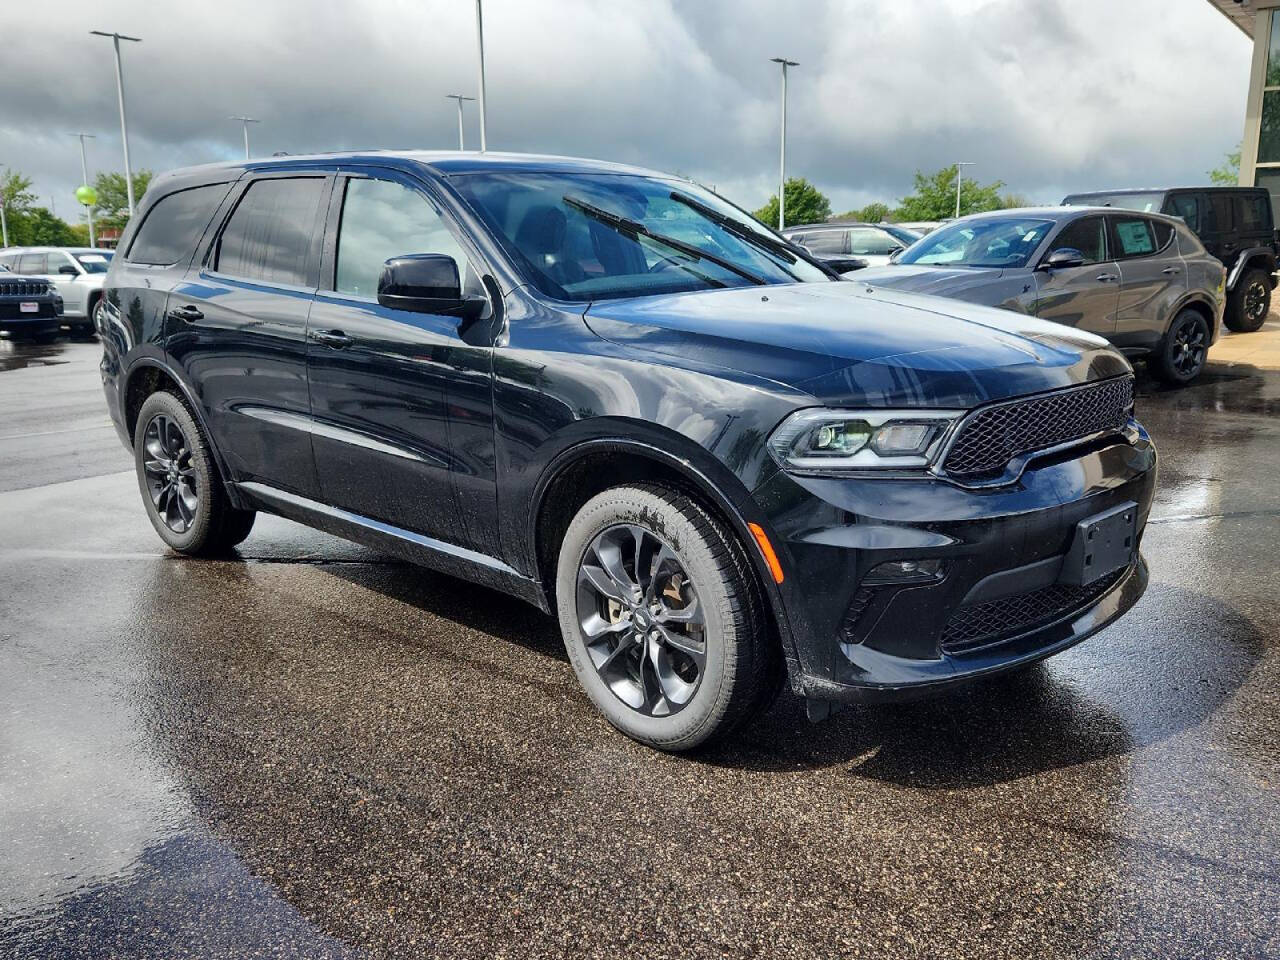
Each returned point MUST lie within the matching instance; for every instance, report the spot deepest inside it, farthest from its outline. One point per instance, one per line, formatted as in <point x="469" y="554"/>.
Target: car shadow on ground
<point x="1054" y="714"/>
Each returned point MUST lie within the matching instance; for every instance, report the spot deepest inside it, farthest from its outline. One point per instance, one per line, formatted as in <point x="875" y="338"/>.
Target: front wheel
<point x="1249" y="303"/>
<point x="661" y="617"/>
<point x="1185" y="349"/>
<point x="178" y="477"/>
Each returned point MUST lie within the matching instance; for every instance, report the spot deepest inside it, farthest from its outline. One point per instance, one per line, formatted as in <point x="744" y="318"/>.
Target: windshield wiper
<point x="633" y="229"/>
<point x="740" y="230"/>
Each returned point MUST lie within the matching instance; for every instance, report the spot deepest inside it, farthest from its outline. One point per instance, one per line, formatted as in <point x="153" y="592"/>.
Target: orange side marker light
<point x="766" y="549"/>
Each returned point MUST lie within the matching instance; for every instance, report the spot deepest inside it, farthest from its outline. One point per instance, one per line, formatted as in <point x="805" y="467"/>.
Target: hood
<point x="852" y="344"/>
<point x="939" y="281"/>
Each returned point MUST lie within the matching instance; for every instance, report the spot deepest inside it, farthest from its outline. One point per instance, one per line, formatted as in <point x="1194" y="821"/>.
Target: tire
<point x="1249" y="303"/>
<point x="654" y="690"/>
<point x="1185" y="348"/>
<point x="179" y="481"/>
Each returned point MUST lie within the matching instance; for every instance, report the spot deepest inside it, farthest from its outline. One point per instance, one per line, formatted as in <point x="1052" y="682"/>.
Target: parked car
<point x="1235" y="224"/>
<point x="1143" y="281"/>
<point x="719" y="467"/>
<point x="29" y="307"/>
<point x="834" y="242"/>
<point x="76" y="272"/>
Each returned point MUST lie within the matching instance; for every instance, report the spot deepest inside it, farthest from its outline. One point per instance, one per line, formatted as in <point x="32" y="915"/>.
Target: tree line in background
<point x="31" y="224"/>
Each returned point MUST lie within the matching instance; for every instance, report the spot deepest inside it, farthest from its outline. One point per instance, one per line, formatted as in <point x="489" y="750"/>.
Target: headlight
<point x="819" y="440"/>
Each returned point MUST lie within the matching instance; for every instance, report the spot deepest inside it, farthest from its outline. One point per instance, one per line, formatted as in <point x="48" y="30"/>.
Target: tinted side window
<point x="1218" y="217"/>
<point x="1164" y="233"/>
<point x="1133" y="236"/>
<point x="827" y="241"/>
<point x="269" y="236"/>
<point x="1184" y="205"/>
<point x="381" y="220"/>
<point x="1088" y="235"/>
<point x="1251" y="213"/>
<point x="33" y="263"/>
<point x="174" y="224"/>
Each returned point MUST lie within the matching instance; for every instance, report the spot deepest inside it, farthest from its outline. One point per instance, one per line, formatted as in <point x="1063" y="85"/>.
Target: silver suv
<point x="1142" y="280"/>
<point x="76" y="272"/>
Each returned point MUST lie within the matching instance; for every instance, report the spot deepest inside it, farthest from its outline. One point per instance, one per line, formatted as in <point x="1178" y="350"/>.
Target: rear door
<point x="402" y="400"/>
<point x="1084" y="296"/>
<point x="1153" y="278"/>
<point x="238" y="327"/>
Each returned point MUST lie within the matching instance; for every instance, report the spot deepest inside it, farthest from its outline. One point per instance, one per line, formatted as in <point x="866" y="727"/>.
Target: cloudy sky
<point x="1046" y="95"/>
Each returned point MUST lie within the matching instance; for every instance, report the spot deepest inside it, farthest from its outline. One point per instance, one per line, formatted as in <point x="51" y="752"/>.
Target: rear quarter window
<point x="1252" y="213"/>
<point x="173" y="226"/>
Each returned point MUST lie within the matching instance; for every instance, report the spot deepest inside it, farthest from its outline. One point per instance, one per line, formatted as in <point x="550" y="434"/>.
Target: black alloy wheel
<point x="170" y="475"/>
<point x="1186" y="348"/>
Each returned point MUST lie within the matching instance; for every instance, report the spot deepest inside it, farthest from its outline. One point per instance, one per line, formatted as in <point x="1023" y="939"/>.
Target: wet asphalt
<point x="316" y="751"/>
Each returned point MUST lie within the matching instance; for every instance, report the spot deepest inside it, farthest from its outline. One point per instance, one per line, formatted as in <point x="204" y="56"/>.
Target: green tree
<point x="805" y="204"/>
<point x="15" y="191"/>
<point x="871" y="213"/>
<point x="935" y="196"/>
<point x="1227" y="175"/>
<point x="37" y="227"/>
<point x="1010" y="200"/>
<point x="113" y="196"/>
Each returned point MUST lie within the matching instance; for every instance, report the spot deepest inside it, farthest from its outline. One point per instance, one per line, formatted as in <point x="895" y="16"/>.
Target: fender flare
<point x="1242" y="263"/>
<point x="701" y="482"/>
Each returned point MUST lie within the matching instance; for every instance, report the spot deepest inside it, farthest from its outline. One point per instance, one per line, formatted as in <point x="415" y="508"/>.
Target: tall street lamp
<point x="782" y="164"/>
<point x="245" y="121"/>
<point x="459" y="98"/>
<point x="959" y="175"/>
<point x="484" y="144"/>
<point x="84" y="178"/>
<point x="124" y="125"/>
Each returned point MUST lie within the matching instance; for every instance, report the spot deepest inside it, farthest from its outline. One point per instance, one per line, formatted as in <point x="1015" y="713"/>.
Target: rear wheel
<point x="661" y="618"/>
<point x="1249" y="303"/>
<point x="179" y="481"/>
<point x="1185" y="349"/>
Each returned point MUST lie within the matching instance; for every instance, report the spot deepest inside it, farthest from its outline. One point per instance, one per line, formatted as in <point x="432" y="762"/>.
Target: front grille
<point x="991" y="437"/>
<point x="23" y="288"/>
<point x="982" y="624"/>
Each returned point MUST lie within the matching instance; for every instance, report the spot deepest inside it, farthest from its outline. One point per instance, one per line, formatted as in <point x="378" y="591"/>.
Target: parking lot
<point x="317" y="751"/>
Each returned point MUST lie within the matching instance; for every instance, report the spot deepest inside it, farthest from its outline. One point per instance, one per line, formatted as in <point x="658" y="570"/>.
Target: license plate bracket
<point x="28" y="306"/>
<point x="1103" y="544"/>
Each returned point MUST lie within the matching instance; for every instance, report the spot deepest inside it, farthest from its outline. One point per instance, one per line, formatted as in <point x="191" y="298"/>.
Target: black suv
<point x="29" y="308"/>
<point x="612" y="394"/>
<point x="1235" y="224"/>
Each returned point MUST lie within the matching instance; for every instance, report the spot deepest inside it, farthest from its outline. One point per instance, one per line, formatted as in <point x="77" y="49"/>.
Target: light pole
<point x="124" y="125"/>
<point x="960" y="165"/>
<point x="84" y="175"/>
<point x="782" y="164"/>
<point x="459" y="98"/>
<point x="484" y="144"/>
<point x="245" y="121"/>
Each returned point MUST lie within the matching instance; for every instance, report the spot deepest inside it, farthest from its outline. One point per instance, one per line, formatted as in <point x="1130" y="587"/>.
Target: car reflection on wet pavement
<point x="317" y="751"/>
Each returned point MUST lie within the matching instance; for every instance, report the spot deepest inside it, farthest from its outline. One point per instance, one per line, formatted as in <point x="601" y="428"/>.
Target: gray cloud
<point x="1047" y="96"/>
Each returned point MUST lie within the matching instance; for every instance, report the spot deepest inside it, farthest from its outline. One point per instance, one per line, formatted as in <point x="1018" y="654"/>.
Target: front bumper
<point x="1000" y="600"/>
<point x="48" y="318"/>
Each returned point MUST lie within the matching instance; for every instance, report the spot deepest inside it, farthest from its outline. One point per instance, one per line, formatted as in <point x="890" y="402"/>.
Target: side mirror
<point x="894" y="252"/>
<point x="426" y="283"/>
<point x="1063" y="258"/>
<point x="68" y="270"/>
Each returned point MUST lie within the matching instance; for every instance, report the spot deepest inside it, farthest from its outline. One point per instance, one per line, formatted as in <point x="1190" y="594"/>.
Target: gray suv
<point x="1144" y="281"/>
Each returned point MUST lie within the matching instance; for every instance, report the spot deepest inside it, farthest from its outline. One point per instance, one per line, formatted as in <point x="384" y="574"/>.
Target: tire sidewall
<point x="1183" y="319"/>
<point x="1236" y="320"/>
<point x="698" y="719"/>
<point x="196" y="534"/>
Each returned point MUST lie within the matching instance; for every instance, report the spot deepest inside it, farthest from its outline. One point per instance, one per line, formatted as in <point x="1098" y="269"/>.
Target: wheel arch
<point x="1260" y="258"/>
<point x="591" y="466"/>
<point x="1202" y="305"/>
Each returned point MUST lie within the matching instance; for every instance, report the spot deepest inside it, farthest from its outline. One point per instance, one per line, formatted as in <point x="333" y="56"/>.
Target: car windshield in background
<point x="597" y="236"/>
<point x="1146" y="202"/>
<point x="902" y="234"/>
<point x="94" y="262"/>
<point x="997" y="242"/>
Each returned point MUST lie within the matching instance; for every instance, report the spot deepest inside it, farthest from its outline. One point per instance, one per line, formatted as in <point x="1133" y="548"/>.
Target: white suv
<point x="77" y="272"/>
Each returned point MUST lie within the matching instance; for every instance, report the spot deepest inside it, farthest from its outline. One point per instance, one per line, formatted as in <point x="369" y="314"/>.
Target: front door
<point x="400" y="399"/>
<point x="1084" y="296"/>
<point x="238" y="326"/>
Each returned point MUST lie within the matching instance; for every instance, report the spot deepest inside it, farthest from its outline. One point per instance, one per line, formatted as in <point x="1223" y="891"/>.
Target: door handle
<point x="1107" y="278"/>
<point x="331" y="338"/>
<point x="186" y="313"/>
<point x="1171" y="271"/>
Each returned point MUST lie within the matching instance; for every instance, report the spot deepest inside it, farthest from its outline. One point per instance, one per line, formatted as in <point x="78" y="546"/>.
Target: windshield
<point x="595" y="236"/>
<point x="96" y="262"/>
<point x="995" y="242"/>
<point x="1146" y="202"/>
<point x="902" y="234"/>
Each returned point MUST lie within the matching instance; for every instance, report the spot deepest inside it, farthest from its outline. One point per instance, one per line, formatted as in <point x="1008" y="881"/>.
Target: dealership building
<point x="1260" y="145"/>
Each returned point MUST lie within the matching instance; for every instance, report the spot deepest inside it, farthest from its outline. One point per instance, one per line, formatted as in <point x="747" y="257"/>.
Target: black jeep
<point x="1234" y="224"/>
